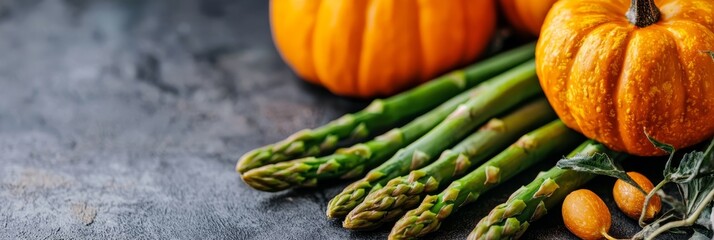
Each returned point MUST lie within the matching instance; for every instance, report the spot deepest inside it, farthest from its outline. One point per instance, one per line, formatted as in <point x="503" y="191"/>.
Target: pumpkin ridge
<point x="422" y="46"/>
<point x="320" y="79"/>
<point x="440" y="42"/>
<point x="302" y="65"/>
<point x="360" y="46"/>
<point x="616" y="91"/>
<point x="582" y="34"/>
<point x="578" y="39"/>
<point x="619" y="94"/>
<point x="605" y="30"/>
<point x="366" y="27"/>
<point x="624" y="129"/>
<point x="356" y="83"/>
<point x="695" y="110"/>
<point x="474" y="44"/>
<point x="652" y="87"/>
<point x="559" y="99"/>
<point x="338" y="74"/>
<point x="420" y="49"/>
<point x="473" y="47"/>
<point x="311" y="45"/>
<point x="682" y="68"/>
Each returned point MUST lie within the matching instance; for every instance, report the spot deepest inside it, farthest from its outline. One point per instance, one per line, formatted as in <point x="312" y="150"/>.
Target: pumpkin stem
<point x="643" y="13"/>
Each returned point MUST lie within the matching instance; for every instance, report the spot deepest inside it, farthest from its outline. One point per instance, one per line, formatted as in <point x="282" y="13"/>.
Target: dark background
<point x="123" y="119"/>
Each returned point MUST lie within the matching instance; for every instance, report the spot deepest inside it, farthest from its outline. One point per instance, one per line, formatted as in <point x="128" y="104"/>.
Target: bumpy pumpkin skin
<point x="379" y="47"/>
<point x="613" y="81"/>
<point x="527" y="16"/>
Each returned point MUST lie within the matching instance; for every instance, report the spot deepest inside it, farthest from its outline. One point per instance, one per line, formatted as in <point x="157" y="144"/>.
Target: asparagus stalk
<point x="528" y="150"/>
<point x="499" y="94"/>
<point x="383" y="114"/>
<point x="354" y="161"/>
<point x="509" y="220"/>
<point x="404" y="193"/>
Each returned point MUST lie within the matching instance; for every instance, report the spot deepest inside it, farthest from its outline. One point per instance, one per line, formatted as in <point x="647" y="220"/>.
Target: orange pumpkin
<point x="526" y="16"/>
<point x="615" y="69"/>
<point x="379" y="47"/>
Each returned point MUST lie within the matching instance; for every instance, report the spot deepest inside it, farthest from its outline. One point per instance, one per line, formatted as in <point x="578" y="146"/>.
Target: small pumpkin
<point x="526" y="16"/>
<point x="617" y="69"/>
<point x="379" y="47"/>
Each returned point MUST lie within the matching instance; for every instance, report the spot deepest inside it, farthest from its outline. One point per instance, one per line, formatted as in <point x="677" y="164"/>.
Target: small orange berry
<point x="586" y="215"/>
<point x="630" y="199"/>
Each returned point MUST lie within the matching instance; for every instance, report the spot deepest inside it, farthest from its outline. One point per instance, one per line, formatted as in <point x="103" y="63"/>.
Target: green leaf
<point x="694" y="164"/>
<point x="695" y="192"/>
<point x="662" y="146"/>
<point x="673" y="202"/>
<point x="599" y="164"/>
<point x="689" y="168"/>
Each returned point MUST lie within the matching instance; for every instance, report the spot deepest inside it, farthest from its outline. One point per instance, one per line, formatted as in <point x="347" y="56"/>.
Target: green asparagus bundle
<point x="383" y="114"/>
<point x="404" y="193"/>
<point x="509" y="220"/>
<point x="499" y="94"/>
<point x="528" y="150"/>
<point x="354" y="161"/>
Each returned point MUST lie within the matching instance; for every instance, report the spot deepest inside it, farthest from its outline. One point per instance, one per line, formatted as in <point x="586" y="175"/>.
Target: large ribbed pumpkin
<point x="379" y="47"/>
<point x="615" y="74"/>
<point x="526" y="16"/>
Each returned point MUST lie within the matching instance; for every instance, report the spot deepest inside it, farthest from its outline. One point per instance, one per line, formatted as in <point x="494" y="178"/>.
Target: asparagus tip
<point x="359" y="222"/>
<point x="290" y="148"/>
<point x="348" y="199"/>
<point x="253" y="159"/>
<point x="386" y="204"/>
<point x="281" y="176"/>
<point x="417" y="222"/>
<point x="259" y="181"/>
<point x="339" y="210"/>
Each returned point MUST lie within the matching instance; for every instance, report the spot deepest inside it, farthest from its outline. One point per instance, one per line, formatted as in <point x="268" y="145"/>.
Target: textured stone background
<point x="123" y="119"/>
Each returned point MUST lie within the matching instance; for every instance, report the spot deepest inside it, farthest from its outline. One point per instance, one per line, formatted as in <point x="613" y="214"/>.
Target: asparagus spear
<point x="382" y="114"/>
<point x="404" y="193"/>
<point x="499" y="94"/>
<point x="354" y="161"/>
<point x="509" y="220"/>
<point x="528" y="150"/>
